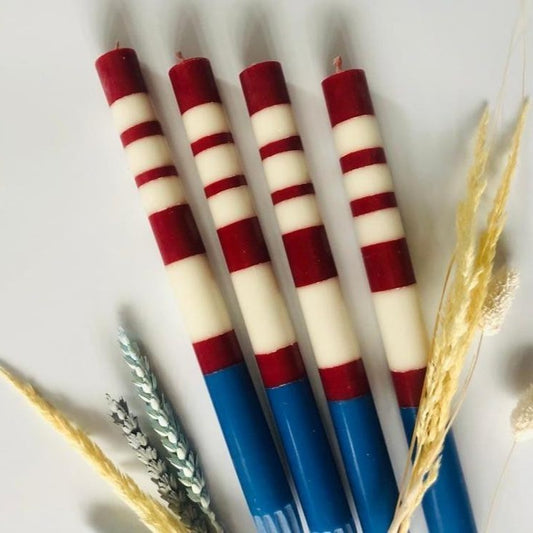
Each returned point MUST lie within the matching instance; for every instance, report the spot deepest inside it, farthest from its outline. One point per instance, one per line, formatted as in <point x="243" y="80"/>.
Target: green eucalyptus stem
<point x="164" y="421"/>
<point x="170" y="490"/>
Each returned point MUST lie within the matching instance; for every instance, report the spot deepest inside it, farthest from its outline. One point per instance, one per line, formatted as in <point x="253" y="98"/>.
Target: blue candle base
<point x="283" y="521"/>
<point x="310" y="459"/>
<point x="366" y="461"/>
<point x="252" y="450"/>
<point x="446" y="504"/>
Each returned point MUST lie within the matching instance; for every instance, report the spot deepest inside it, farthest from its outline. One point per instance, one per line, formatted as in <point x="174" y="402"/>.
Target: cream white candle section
<point x="356" y="134"/>
<point x="131" y="110"/>
<point x="379" y="226"/>
<point x="285" y="169"/>
<point x="263" y="309"/>
<point x="162" y="193"/>
<point x="297" y="213"/>
<point x="404" y="335"/>
<point x="273" y="123"/>
<point x="148" y="153"/>
<point x="202" y="304"/>
<point x="231" y="205"/>
<point x="217" y="163"/>
<point x="205" y="119"/>
<point x="367" y="181"/>
<point x="328" y="323"/>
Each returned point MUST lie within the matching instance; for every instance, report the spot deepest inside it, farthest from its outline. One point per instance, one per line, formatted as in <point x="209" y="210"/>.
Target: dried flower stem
<point x="154" y="515"/>
<point x="167" y="485"/>
<point x="457" y="322"/>
<point x="181" y="455"/>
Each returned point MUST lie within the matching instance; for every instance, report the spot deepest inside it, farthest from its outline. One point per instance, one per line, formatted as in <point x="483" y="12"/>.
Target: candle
<point x="369" y="187"/>
<point x="243" y="423"/>
<point x="315" y="276"/>
<point x="265" y="315"/>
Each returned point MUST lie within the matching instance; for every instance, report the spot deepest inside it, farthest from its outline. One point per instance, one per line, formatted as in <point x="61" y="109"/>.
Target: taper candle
<point x="264" y="311"/>
<point x="206" y="318"/>
<point x="379" y="227"/>
<point x="314" y="273"/>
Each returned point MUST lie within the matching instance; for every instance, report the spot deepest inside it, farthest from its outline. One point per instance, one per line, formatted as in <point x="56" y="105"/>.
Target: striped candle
<point x="315" y="276"/>
<point x="243" y="423"/>
<point x="391" y="278"/>
<point x="264" y="312"/>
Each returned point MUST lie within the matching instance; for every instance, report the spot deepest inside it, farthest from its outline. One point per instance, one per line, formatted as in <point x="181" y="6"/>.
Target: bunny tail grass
<point x="154" y="515"/>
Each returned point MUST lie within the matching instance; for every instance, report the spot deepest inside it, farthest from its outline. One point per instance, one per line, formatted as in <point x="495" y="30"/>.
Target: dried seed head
<point x="522" y="416"/>
<point x="501" y="292"/>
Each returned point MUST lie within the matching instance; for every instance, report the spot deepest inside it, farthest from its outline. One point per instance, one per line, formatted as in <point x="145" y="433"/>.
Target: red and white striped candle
<point x="313" y="270"/>
<point x="230" y="202"/>
<point x="369" y="186"/>
<point x="162" y="195"/>
<point x="263" y="308"/>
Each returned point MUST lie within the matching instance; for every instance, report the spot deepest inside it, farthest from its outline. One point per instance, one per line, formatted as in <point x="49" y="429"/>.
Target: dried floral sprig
<point x="500" y="295"/>
<point x="522" y="428"/>
<point x="522" y="416"/>
<point x="154" y="515"/>
<point x="181" y="455"/>
<point x="457" y="321"/>
<point x="169" y="488"/>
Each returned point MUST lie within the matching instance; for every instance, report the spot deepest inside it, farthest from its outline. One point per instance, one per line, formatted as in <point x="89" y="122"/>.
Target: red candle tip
<point x="337" y="63"/>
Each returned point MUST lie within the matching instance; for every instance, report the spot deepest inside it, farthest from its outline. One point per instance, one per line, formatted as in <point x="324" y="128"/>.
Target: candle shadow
<point x="112" y="24"/>
<point x="518" y="369"/>
<point x="106" y="518"/>
<point x="253" y="39"/>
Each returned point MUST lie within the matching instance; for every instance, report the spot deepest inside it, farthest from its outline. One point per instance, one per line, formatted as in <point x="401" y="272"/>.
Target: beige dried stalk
<point x="458" y="320"/>
<point x="154" y="515"/>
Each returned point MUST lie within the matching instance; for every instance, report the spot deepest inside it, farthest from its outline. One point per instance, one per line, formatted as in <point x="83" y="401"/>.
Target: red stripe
<point x="408" y="386"/>
<point x="224" y="184"/>
<point x="263" y="85"/>
<point x="139" y="131"/>
<point x="288" y="144"/>
<point x="209" y="141"/>
<point x="155" y="173"/>
<point x="292" y="192"/>
<point x="120" y="74"/>
<point x="375" y="202"/>
<point x="345" y="382"/>
<point x="309" y="255"/>
<point x="218" y="352"/>
<point x="193" y="83"/>
<point x="176" y="233"/>
<point x="282" y="366"/>
<point x="388" y="265"/>
<point x="347" y="95"/>
<point x="362" y="158"/>
<point x="243" y="244"/>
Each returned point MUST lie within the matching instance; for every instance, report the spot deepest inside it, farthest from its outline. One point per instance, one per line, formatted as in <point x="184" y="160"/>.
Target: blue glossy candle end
<point x="446" y="504"/>
<point x="366" y="460"/>
<point x="252" y="450"/>
<point x="282" y="521"/>
<point x="309" y="455"/>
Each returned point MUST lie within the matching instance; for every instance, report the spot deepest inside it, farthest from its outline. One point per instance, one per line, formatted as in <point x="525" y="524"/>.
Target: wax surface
<point x="264" y="311"/>
<point x="379" y="229"/>
<point x="206" y="318"/>
<point x="326" y="316"/>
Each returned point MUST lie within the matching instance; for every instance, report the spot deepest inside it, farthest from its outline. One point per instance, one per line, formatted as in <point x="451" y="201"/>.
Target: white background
<point x="77" y="254"/>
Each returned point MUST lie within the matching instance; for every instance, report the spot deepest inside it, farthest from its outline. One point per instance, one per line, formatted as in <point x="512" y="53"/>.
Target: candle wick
<point x="117" y="45"/>
<point x="337" y="63"/>
<point x="179" y="56"/>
